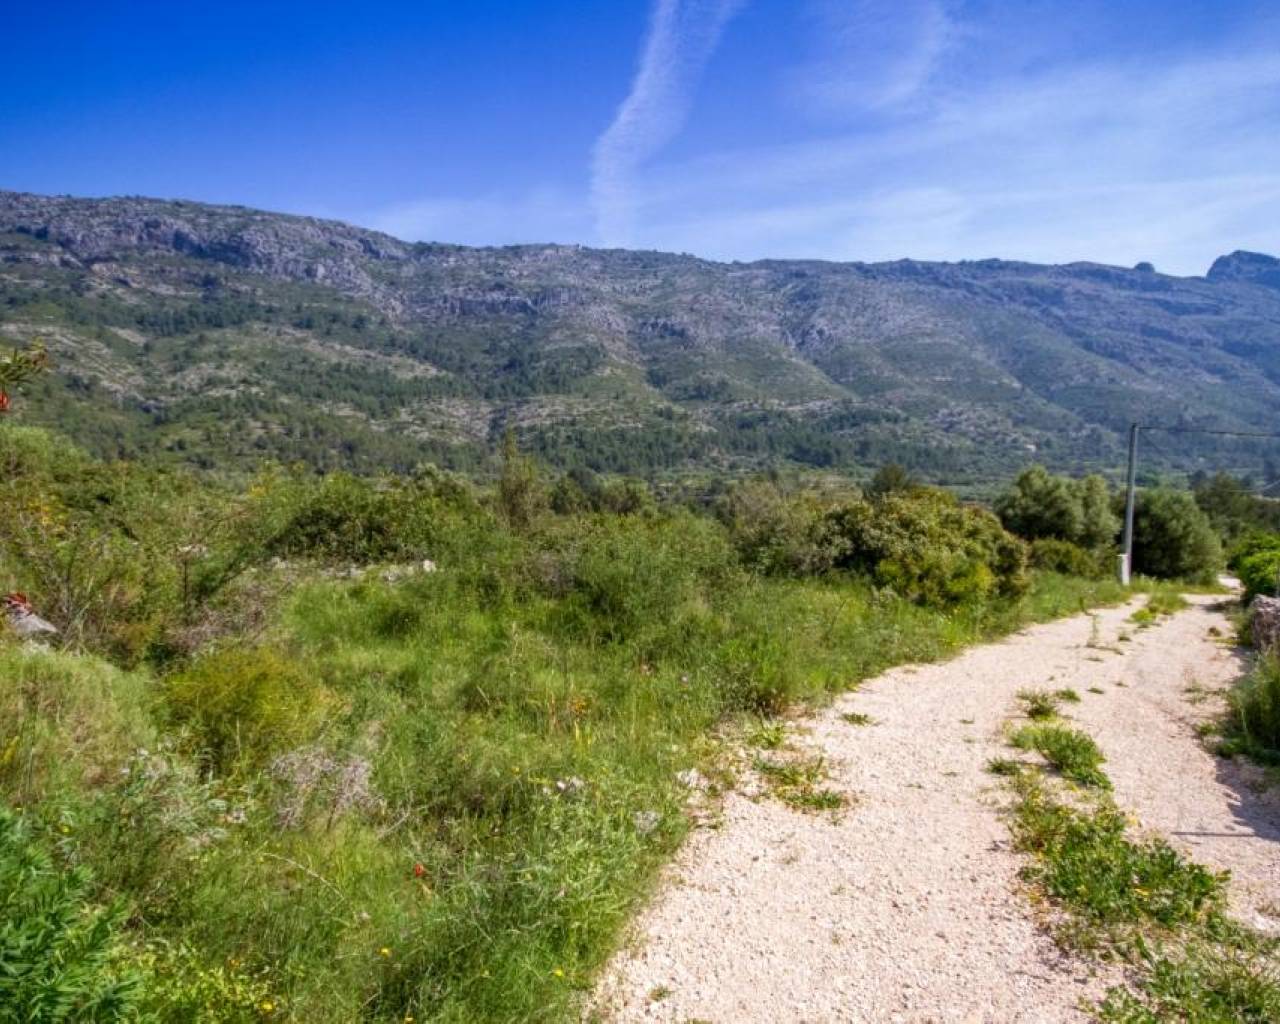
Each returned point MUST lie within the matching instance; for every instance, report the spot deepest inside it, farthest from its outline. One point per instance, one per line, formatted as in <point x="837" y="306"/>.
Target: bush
<point x="778" y="534"/>
<point x="930" y="548"/>
<point x="58" y="951"/>
<point x="626" y="576"/>
<point x="1040" y="506"/>
<point x="1069" y="559"/>
<point x="1255" y="703"/>
<point x="1256" y="560"/>
<point x="244" y="705"/>
<point x="1172" y="537"/>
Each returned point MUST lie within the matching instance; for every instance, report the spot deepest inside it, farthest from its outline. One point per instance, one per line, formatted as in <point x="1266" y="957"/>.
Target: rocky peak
<point x="1247" y="268"/>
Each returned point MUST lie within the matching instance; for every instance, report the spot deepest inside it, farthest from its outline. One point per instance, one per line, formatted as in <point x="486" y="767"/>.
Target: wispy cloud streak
<point x="683" y="34"/>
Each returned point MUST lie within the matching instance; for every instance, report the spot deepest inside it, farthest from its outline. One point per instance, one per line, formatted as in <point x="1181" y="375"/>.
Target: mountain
<point x="222" y="335"/>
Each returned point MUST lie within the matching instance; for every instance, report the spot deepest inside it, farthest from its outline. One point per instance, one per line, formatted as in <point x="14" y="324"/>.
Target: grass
<point x="1252" y="726"/>
<point x="473" y="770"/>
<point x="797" y="782"/>
<point x="1139" y="900"/>
<point x="1039" y="704"/>
<point x="1164" y="599"/>
<point x="1071" y="752"/>
<point x="856" y="718"/>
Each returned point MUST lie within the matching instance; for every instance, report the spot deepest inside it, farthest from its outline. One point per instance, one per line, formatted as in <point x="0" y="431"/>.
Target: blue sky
<point x="733" y="129"/>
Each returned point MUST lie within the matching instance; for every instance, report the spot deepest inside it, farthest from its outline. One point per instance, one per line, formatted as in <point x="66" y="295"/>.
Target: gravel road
<point x="908" y="908"/>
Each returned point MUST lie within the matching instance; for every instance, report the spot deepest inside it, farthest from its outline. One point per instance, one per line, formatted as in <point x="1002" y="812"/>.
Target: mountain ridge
<point x="614" y="359"/>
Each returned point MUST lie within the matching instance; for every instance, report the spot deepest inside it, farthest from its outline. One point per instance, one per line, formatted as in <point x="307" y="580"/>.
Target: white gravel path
<point x="908" y="908"/>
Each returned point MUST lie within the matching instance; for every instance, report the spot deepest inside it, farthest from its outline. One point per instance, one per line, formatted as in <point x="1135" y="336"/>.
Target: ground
<point x="907" y="905"/>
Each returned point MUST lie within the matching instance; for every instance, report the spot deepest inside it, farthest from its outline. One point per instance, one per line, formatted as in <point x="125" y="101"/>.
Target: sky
<point x="1045" y="130"/>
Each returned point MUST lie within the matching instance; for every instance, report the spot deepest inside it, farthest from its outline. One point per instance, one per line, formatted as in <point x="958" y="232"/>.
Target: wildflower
<point x="419" y="870"/>
<point x="266" y="1006"/>
<point x="558" y="973"/>
<point x="384" y="951"/>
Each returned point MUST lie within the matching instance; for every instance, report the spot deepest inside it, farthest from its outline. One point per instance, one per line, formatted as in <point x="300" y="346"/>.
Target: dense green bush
<point x="1255" y="559"/>
<point x="246" y="704"/>
<point x="59" y="956"/>
<point x="1070" y="559"/>
<point x="777" y="533"/>
<point x="1040" y="506"/>
<point x="930" y="548"/>
<point x="1172" y="537"/>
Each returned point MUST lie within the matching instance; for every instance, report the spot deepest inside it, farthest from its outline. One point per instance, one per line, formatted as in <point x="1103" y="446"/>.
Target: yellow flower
<point x="558" y="973"/>
<point x="384" y="951"/>
<point x="266" y="1006"/>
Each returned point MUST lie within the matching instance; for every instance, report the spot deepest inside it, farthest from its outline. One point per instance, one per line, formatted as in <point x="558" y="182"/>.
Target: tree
<point x="1041" y="506"/>
<point x="1173" y="538"/>
<point x="19" y="367"/>
<point x="522" y="498"/>
<point x="891" y="478"/>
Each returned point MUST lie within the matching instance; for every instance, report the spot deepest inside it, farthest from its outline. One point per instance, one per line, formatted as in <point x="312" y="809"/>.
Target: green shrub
<point x="779" y="534"/>
<point x="59" y="956"/>
<point x="247" y="705"/>
<point x="1070" y="751"/>
<point x="1069" y="559"/>
<point x="928" y="547"/>
<point x="1259" y="572"/>
<point x="1172" y="537"/>
<point x="1040" y="506"/>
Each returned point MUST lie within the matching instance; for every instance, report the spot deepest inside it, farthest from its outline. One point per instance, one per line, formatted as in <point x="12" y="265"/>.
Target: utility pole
<point x="1126" y="558"/>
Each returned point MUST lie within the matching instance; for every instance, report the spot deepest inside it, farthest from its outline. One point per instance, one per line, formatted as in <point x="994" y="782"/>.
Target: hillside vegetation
<point x="220" y="335"/>
<point x="333" y="749"/>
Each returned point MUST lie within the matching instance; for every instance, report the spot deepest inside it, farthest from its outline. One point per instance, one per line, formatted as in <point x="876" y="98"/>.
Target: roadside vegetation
<point x="329" y="748"/>
<point x="1122" y="895"/>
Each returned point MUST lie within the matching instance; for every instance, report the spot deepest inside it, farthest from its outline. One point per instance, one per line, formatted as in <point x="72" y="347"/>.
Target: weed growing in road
<point x="767" y="734"/>
<point x="1067" y="695"/>
<point x="1085" y="859"/>
<point x="798" y="783"/>
<point x="1140" y="900"/>
<point x="856" y="718"/>
<point x="1005" y="766"/>
<point x="1039" y="704"/>
<point x="1072" y="752"/>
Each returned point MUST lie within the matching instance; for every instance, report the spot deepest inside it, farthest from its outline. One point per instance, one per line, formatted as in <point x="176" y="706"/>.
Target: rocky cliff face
<point x="616" y="359"/>
<point x="1247" y="268"/>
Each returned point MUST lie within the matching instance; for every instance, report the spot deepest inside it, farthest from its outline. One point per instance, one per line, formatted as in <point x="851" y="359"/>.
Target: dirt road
<point x="908" y="908"/>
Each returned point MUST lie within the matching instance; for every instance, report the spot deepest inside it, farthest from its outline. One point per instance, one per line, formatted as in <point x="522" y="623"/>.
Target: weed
<point x="1071" y="752"/>
<point x="767" y="734"/>
<point x="1067" y="695"/>
<point x="1085" y="859"/>
<point x="856" y="718"/>
<point x="1005" y="766"/>
<point x="797" y="782"/>
<point x="1039" y="704"/>
<point x="1096" y="689"/>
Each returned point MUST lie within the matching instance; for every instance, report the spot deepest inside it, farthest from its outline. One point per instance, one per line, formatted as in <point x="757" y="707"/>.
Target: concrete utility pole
<point x="1126" y="558"/>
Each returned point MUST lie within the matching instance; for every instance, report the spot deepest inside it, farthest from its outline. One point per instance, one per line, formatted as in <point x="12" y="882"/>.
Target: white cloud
<point x="875" y="55"/>
<point x="683" y="34"/>
<point x="1162" y="159"/>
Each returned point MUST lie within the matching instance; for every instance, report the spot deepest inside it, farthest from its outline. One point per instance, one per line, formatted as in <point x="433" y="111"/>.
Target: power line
<point x="1203" y="430"/>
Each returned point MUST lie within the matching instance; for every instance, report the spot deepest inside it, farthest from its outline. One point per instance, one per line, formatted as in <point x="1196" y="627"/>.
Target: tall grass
<point x="460" y="785"/>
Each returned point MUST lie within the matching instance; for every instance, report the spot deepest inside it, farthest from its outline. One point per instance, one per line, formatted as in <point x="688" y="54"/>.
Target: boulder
<point x="1266" y="622"/>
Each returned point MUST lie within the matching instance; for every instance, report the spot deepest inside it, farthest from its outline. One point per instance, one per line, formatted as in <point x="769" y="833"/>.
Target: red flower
<point x="419" y="871"/>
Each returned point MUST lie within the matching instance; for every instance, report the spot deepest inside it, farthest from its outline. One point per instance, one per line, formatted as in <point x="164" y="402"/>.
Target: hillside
<point x="222" y="335"/>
